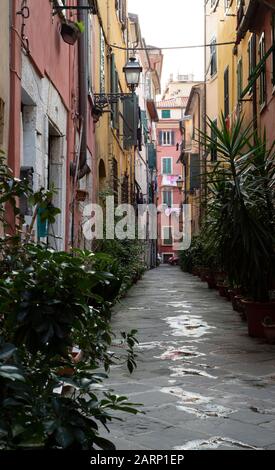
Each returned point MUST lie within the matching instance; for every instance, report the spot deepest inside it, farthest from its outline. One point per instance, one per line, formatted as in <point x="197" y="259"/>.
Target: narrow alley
<point x="203" y="382"/>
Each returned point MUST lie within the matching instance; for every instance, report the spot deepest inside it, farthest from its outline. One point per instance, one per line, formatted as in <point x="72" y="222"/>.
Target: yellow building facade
<point x="115" y="165"/>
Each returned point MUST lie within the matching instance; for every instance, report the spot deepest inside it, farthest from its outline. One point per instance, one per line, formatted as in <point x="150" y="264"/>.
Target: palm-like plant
<point x="240" y="211"/>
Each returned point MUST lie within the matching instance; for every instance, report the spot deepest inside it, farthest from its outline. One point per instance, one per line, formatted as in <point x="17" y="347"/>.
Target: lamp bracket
<point x="102" y="100"/>
<point x="59" y="8"/>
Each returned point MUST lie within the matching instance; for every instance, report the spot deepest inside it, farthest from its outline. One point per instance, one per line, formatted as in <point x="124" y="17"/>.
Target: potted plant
<point x="269" y="329"/>
<point x="71" y="31"/>
<point x="241" y="214"/>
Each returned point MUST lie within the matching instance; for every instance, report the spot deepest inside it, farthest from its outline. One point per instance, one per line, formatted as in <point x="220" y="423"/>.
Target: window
<point x="167" y="166"/>
<point x="214" y="138"/>
<point x="227" y="4"/>
<point x="166" y="114"/>
<point x="213" y="55"/>
<point x="167" y="198"/>
<point x="239" y="79"/>
<point x="251" y="57"/>
<point x="226" y="92"/>
<point x="263" y="72"/>
<point x="167" y="236"/>
<point x="273" y="53"/>
<point x="240" y="12"/>
<point x="166" y="138"/>
<point x="121" y="11"/>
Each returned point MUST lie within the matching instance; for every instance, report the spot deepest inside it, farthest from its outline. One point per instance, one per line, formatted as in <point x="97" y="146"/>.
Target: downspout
<point x="83" y="88"/>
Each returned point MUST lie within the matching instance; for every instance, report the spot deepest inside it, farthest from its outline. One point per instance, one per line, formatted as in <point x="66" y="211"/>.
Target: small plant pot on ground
<point x="195" y="271"/>
<point x="203" y="272"/>
<point x="256" y="313"/>
<point x="223" y="291"/>
<point x="220" y="276"/>
<point x="211" y="281"/>
<point x="237" y="305"/>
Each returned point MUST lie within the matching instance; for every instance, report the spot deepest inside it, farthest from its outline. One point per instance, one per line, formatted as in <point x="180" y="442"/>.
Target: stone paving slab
<point x="203" y="382"/>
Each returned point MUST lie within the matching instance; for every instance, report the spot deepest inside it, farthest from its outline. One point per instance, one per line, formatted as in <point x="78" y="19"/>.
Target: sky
<point x="173" y="23"/>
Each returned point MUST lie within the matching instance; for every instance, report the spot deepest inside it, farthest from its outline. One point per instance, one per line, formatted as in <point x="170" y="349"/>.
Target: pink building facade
<point x="169" y="169"/>
<point x="51" y="124"/>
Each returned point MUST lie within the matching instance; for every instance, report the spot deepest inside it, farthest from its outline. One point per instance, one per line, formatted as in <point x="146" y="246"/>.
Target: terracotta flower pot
<point x="211" y="281"/>
<point x="203" y="273"/>
<point x="256" y="313"/>
<point x="223" y="291"/>
<point x="195" y="271"/>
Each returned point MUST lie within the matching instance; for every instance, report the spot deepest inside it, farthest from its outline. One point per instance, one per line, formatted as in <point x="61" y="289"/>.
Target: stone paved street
<point x="203" y="382"/>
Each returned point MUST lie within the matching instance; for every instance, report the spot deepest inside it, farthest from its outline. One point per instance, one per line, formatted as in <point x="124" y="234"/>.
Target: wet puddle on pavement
<point x="182" y="372"/>
<point x="188" y="401"/>
<point x="176" y="354"/>
<point x="192" y="326"/>
<point x="215" y="443"/>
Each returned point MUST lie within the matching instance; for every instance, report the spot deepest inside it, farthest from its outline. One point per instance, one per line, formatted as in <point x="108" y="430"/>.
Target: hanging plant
<point x="71" y="31"/>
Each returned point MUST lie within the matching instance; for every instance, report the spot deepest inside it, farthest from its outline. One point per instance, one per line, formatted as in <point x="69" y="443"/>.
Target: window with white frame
<point x="213" y="57"/>
<point x="227" y="5"/>
<point x="167" y="166"/>
<point x="167" y="138"/>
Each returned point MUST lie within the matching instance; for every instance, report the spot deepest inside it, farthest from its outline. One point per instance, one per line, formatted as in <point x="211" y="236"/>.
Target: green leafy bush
<point x="50" y="302"/>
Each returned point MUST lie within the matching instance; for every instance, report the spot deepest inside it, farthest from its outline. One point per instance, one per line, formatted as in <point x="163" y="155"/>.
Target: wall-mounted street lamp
<point x="132" y="71"/>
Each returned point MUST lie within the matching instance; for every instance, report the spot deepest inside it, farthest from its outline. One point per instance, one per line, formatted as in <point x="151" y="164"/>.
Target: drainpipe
<point x="83" y="88"/>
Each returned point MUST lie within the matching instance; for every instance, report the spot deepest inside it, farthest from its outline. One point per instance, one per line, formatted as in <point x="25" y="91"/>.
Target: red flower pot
<point x="256" y="312"/>
<point x="223" y="291"/>
<point x="211" y="281"/>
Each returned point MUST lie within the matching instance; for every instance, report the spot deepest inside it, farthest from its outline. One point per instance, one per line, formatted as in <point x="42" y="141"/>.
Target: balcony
<point x="245" y="16"/>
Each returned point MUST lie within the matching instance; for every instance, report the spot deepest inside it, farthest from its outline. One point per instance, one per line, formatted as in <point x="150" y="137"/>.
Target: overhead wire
<point x="154" y="48"/>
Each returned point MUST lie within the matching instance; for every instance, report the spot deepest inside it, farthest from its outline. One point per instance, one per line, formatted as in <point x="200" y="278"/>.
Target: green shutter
<point x="130" y="121"/>
<point x="152" y="156"/>
<point x="114" y="90"/>
<point x="167" y="198"/>
<point x="172" y="138"/>
<point x="160" y="137"/>
<point x="144" y="126"/>
<point x="167" y="236"/>
<point x="194" y="172"/>
<point x="167" y="166"/>
<point x="166" y="114"/>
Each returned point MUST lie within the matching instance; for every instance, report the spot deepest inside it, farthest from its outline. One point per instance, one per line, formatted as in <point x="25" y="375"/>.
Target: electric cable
<point x="154" y="48"/>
